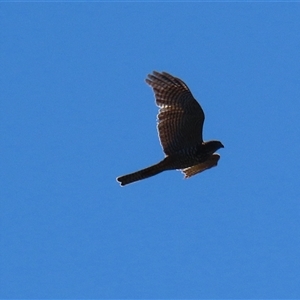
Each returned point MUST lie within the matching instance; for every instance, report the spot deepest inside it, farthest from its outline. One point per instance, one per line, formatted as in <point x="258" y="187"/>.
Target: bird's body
<point x="180" y="123"/>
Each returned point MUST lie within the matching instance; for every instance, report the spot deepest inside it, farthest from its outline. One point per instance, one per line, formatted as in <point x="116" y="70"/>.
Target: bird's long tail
<point x="144" y="173"/>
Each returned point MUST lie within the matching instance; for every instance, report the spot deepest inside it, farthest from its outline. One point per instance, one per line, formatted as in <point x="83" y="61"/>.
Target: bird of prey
<point x="180" y="124"/>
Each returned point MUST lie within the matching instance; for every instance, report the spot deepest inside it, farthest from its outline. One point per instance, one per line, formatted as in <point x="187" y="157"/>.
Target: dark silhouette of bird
<point x="180" y="124"/>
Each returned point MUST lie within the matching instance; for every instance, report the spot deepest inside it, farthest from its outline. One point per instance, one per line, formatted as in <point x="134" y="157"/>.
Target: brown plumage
<point x="180" y="125"/>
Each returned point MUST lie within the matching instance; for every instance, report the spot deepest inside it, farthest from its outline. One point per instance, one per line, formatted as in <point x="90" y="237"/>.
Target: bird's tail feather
<point x="142" y="174"/>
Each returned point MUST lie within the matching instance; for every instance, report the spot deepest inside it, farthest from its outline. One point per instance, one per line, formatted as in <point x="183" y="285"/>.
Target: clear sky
<point x="75" y="113"/>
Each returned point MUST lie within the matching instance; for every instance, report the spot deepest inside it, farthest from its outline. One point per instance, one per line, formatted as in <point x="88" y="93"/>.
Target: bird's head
<point x="212" y="146"/>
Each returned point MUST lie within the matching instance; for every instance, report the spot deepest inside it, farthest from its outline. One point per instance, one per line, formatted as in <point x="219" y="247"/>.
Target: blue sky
<point x="76" y="113"/>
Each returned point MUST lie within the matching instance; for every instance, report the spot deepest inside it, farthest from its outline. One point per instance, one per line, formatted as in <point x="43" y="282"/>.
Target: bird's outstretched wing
<point x="180" y="117"/>
<point x="212" y="161"/>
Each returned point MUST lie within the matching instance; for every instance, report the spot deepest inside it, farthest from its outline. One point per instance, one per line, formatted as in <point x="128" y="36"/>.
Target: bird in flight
<point x="180" y="124"/>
